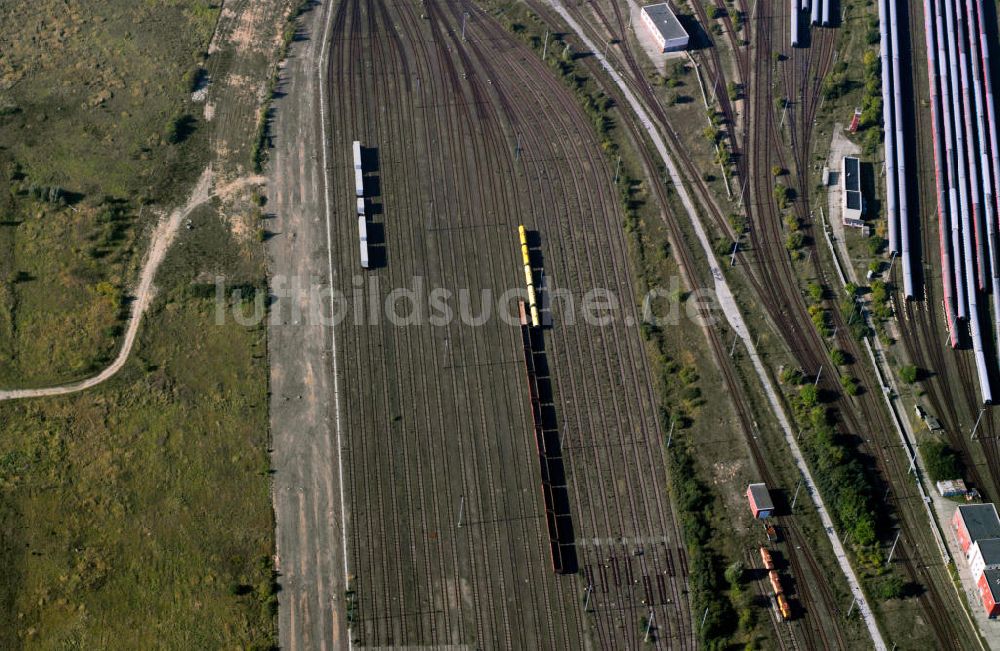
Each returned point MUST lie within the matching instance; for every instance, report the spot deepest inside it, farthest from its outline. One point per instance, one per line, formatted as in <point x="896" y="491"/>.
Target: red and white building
<point x="989" y="589"/>
<point x="984" y="555"/>
<point x="973" y="522"/>
<point x="977" y="531"/>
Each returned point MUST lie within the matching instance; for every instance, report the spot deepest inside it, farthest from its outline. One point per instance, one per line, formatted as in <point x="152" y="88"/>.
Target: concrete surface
<point x="305" y="458"/>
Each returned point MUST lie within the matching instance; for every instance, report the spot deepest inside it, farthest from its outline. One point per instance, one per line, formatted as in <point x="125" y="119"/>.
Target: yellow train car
<point x="535" y="321"/>
<point x="523" y="233"/>
<point x="529" y="277"/>
<point x="786" y="611"/>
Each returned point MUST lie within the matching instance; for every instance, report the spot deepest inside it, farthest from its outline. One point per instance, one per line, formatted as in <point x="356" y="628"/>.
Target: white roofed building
<point x="664" y="27"/>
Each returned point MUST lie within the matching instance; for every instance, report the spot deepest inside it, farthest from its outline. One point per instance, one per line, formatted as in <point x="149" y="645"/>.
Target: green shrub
<point x="942" y="461"/>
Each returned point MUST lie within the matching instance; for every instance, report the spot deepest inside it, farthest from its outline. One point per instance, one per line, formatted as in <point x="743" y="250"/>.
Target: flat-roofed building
<point x="984" y="555"/>
<point x="853" y="205"/>
<point x="760" y="501"/>
<point x="989" y="590"/>
<point x="973" y="522"/>
<point x="664" y="27"/>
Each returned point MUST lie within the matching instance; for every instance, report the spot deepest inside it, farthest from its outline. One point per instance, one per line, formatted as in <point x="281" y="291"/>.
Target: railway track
<point x="486" y="116"/>
<point x="628" y="360"/>
<point x="774" y="304"/>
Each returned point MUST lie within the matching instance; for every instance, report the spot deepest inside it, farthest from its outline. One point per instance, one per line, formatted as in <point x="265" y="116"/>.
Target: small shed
<point x="760" y="501"/>
<point x="951" y="487"/>
<point x="973" y="522"/>
<point x="666" y="30"/>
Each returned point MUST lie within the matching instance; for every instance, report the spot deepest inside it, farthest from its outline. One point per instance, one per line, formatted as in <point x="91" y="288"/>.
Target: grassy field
<point x="97" y="129"/>
<point x="137" y="515"/>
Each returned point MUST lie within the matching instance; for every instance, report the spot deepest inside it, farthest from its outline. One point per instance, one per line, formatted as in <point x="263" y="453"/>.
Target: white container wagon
<point x="363" y="240"/>
<point x="361" y="206"/>
<point x="359" y="181"/>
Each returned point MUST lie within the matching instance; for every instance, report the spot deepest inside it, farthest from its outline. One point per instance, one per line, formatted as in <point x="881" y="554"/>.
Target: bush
<point x="794" y="241"/>
<point x="815" y="291"/>
<point x="942" y="461"/>
<point x="890" y="587"/>
<point x="734" y="573"/>
<point x="850" y="385"/>
<point x="908" y="373"/>
<point x="838" y="357"/>
<point x="809" y="395"/>
<point x="791" y="376"/>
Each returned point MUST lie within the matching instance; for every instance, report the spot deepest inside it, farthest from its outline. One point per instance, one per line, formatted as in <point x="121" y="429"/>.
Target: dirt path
<point x="163" y="237"/>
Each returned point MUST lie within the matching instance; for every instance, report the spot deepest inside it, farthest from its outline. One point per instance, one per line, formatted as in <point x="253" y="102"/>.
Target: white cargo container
<point x="363" y="240"/>
<point x="361" y="207"/>
<point x="357" y="155"/>
<point x="359" y="183"/>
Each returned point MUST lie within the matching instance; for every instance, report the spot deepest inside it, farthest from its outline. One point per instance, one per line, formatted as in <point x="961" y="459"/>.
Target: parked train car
<point x="363" y="240"/>
<point x="359" y="173"/>
<point x="765" y="558"/>
<point x="775" y="582"/>
<point x="795" y="23"/>
<point x="784" y="608"/>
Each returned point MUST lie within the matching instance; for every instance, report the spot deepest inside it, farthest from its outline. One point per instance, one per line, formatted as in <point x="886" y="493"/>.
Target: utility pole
<point x="818" y="374"/>
<point x="732" y="349"/>
<point x="891" y="260"/>
<point x="464" y="16"/>
<point x="851" y="609"/>
<point x="703" y="618"/>
<point x="797" y="487"/>
<point x="461" y="510"/>
<point x="545" y="48"/>
<point x="736" y="245"/>
<point x="976" y="427"/>
<point x="586" y="602"/>
<point x="517" y="148"/>
<point x="649" y="625"/>
<point x="893" y="550"/>
<point x="618" y="167"/>
<point x="670" y="436"/>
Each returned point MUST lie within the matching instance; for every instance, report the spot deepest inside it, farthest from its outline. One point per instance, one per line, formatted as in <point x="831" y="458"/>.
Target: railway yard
<point x="498" y="473"/>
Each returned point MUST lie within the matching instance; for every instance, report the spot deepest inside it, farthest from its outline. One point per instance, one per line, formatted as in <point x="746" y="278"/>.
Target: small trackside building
<point x="989" y="589"/>
<point x="973" y="522"/>
<point x="984" y="555"/>
<point x="664" y="27"/>
<point x="760" y="501"/>
<point x="852" y="203"/>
